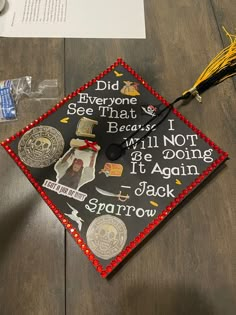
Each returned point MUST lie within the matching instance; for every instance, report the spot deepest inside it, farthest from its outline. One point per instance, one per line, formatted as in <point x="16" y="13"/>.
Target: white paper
<point x="73" y="18"/>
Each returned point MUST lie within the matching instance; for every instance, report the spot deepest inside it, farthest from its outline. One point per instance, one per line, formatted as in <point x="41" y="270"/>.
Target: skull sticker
<point x="106" y="236"/>
<point x="41" y="146"/>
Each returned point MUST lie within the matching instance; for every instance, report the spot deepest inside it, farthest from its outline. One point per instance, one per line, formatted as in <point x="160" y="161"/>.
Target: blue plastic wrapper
<point x="10" y="93"/>
<point x="7" y="104"/>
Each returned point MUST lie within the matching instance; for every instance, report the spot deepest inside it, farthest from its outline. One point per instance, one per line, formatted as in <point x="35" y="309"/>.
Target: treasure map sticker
<point x="107" y="206"/>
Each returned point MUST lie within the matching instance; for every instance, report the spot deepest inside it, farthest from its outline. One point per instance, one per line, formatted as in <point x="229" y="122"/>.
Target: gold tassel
<point x="223" y="66"/>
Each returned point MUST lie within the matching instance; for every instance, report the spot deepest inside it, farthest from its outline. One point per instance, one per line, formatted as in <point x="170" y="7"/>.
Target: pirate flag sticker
<point x="113" y="174"/>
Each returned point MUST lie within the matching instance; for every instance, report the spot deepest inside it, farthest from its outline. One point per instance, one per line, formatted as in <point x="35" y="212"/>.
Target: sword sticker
<point x="120" y="197"/>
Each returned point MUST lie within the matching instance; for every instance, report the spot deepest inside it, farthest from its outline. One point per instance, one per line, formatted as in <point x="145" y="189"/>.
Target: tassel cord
<point x="165" y="110"/>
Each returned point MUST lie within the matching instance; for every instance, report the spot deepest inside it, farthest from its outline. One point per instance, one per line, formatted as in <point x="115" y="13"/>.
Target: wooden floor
<point x="189" y="266"/>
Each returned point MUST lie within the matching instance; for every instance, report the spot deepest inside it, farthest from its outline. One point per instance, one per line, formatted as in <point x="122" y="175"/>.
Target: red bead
<point x="151" y="226"/>
<point x="142" y="235"/>
<point x="99" y="268"/>
<point x="165" y="102"/>
<point x="146" y="231"/>
<point x="177" y="200"/>
<point x="83" y="247"/>
<point x="103" y="274"/>
<point x="79" y="241"/>
<point x="95" y="262"/>
<point x="68" y="225"/>
<point x="164" y="213"/>
<point x="91" y="257"/>
<point x="123" y="253"/>
<point x="87" y="252"/>
<point x="168" y="208"/>
<point x="118" y="258"/>
<point x="113" y="263"/>
<point x="156" y="221"/>
<point x="108" y="269"/>
<point x="76" y="235"/>
<point x="132" y="244"/>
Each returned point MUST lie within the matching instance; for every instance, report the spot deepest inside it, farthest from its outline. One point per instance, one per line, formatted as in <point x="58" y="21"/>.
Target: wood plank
<point x="31" y="238"/>
<point x="187" y="267"/>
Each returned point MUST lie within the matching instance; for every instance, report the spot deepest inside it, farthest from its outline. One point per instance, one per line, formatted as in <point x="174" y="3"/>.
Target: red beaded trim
<point x="151" y="226"/>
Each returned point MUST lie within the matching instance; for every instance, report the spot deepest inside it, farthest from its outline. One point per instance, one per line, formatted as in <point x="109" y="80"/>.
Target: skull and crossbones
<point x="41" y="146"/>
<point x="106" y="236"/>
<point x="150" y="110"/>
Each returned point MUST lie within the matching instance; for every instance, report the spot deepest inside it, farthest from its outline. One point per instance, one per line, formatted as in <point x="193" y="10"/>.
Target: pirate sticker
<point x="106" y="236"/>
<point x="112" y="169"/>
<point x="150" y="110"/>
<point x="130" y="88"/>
<point x="41" y="146"/>
<point x="77" y="166"/>
<point x="85" y="127"/>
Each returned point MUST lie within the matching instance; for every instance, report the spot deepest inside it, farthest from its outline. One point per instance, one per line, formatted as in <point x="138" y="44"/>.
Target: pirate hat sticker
<point x="110" y="201"/>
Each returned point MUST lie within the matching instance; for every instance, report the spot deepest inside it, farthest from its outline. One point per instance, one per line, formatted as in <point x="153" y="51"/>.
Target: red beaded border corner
<point x="151" y="226"/>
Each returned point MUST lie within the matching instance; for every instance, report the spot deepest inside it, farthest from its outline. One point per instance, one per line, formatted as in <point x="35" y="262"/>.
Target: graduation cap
<point x="151" y="162"/>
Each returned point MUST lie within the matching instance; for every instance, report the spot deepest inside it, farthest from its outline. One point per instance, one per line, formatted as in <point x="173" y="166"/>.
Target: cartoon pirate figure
<point x="77" y="166"/>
